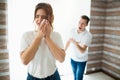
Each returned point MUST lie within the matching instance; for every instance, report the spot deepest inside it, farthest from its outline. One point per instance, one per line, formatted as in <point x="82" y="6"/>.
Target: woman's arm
<point x="57" y="52"/>
<point x="28" y="54"/>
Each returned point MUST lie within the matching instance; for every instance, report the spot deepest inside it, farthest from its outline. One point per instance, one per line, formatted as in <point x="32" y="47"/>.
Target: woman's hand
<point x="48" y="29"/>
<point x="42" y="28"/>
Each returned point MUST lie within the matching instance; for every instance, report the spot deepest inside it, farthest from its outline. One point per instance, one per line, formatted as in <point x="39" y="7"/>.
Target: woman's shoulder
<point x="56" y="34"/>
<point x="27" y="33"/>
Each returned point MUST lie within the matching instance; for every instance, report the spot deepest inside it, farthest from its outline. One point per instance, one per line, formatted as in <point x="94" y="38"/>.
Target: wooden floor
<point x="93" y="76"/>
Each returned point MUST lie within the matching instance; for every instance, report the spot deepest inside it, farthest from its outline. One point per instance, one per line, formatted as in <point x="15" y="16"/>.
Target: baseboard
<point x="116" y="78"/>
<point x="90" y="72"/>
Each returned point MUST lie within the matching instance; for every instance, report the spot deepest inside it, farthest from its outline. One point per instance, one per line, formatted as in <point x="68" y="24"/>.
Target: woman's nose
<point x="39" y="19"/>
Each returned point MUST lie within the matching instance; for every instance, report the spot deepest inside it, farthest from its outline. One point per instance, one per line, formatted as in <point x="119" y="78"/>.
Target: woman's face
<point x="40" y="15"/>
<point x="82" y="24"/>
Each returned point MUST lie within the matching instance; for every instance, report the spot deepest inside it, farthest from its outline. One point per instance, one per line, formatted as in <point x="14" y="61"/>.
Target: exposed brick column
<point x="97" y="24"/>
<point x="4" y="58"/>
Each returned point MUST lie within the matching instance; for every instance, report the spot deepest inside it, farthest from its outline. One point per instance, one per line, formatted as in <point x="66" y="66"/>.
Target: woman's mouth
<point x="38" y="23"/>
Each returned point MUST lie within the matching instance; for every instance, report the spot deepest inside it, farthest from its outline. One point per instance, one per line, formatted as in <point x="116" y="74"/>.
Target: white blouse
<point x="43" y="64"/>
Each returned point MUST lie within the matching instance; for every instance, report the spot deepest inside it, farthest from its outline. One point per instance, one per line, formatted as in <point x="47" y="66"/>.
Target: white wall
<point x="20" y="17"/>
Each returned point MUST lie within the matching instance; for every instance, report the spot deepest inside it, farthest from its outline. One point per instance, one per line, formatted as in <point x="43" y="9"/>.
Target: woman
<point x="42" y="47"/>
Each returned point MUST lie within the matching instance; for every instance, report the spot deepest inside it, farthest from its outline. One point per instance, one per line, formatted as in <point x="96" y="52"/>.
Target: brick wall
<point x="97" y="25"/>
<point x="4" y="62"/>
<point x="105" y="26"/>
<point x="111" y="52"/>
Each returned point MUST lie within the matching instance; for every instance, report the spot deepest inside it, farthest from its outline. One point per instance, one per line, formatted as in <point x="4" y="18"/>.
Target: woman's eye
<point x="41" y="16"/>
<point x="37" y="16"/>
<point x="44" y="17"/>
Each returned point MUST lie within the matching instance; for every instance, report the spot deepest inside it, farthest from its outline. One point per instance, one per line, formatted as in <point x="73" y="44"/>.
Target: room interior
<point x="104" y="53"/>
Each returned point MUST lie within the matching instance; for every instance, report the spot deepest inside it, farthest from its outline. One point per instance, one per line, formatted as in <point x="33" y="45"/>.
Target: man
<point x="80" y="40"/>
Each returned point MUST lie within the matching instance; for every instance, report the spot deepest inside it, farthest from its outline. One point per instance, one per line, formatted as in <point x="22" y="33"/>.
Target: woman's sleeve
<point x="59" y="41"/>
<point x="23" y="43"/>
